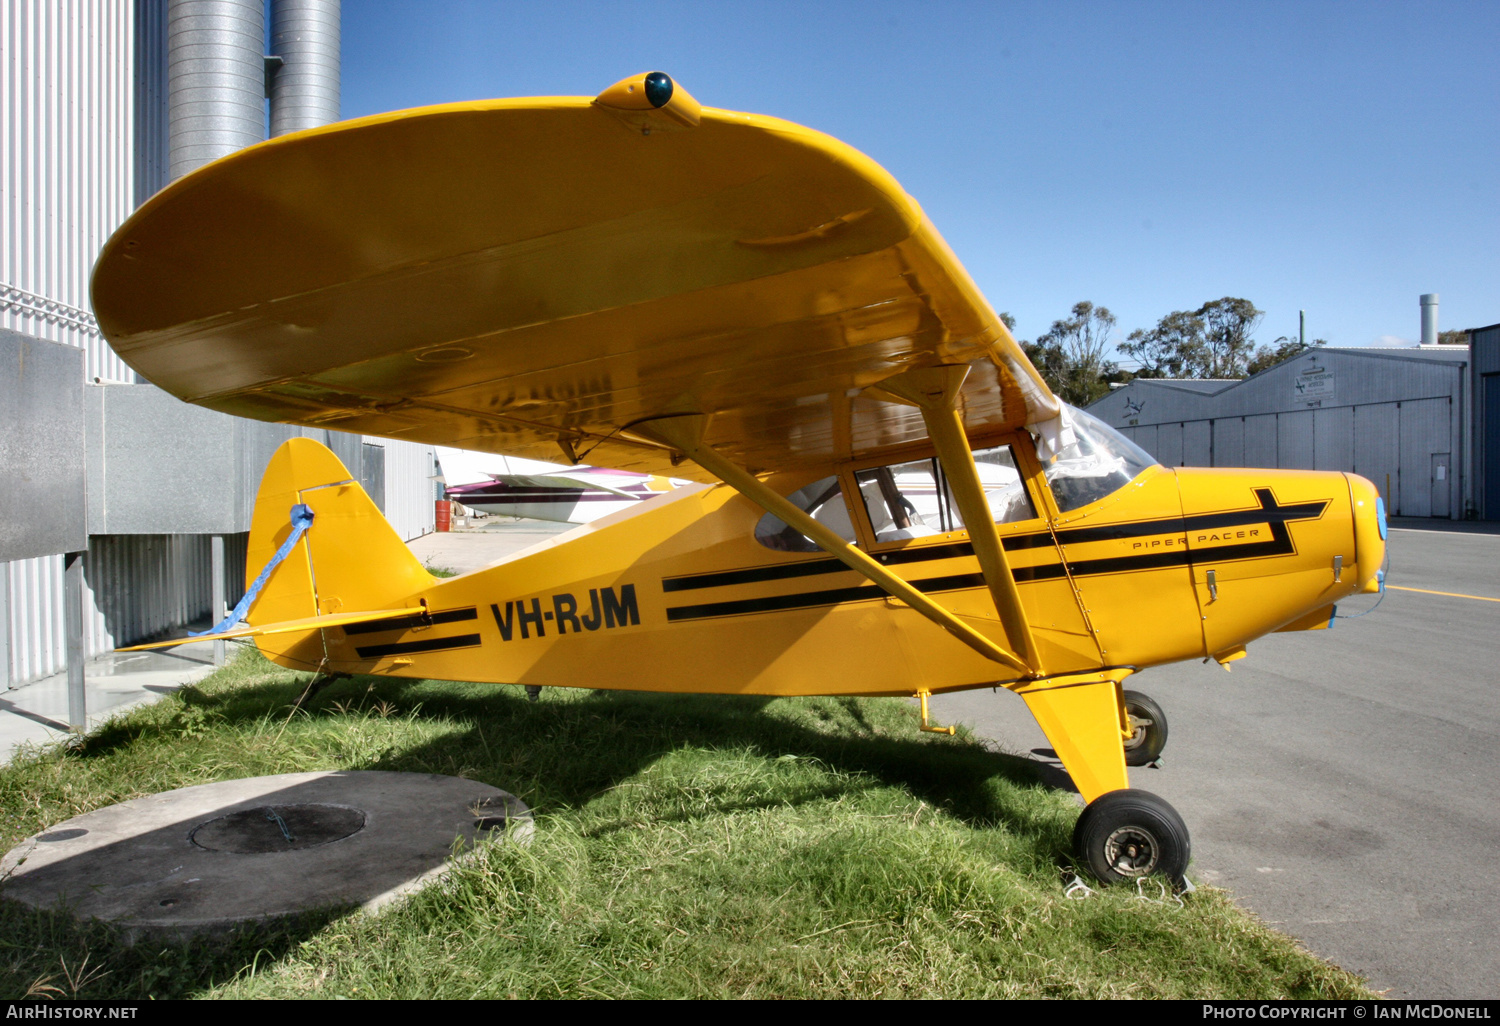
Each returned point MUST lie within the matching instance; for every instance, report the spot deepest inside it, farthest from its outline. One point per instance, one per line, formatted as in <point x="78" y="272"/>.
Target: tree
<point x="1172" y="349"/>
<point x="1227" y="324"/>
<point x="1453" y="338"/>
<point x="1212" y="341"/>
<point x="1070" y="355"/>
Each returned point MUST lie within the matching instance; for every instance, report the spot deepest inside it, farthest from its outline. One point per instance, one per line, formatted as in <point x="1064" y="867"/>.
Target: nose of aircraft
<point x="1276" y="549"/>
<point x="1369" y="531"/>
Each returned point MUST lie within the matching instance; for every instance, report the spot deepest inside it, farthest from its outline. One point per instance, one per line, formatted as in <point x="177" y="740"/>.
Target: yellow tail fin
<point x="349" y="560"/>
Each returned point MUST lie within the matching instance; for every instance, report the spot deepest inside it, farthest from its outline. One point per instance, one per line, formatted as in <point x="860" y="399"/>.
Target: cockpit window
<point x="1096" y="461"/>
<point x="824" y="502"/>
<point x="915" y="500"/>
<point x="907" y="500"/>
<point x="1003" y="487"/>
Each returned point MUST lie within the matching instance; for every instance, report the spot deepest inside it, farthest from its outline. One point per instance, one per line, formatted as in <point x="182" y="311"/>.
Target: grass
<point x="685" y="847"/>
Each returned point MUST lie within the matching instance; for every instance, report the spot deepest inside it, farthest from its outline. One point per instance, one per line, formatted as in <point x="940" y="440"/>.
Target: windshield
<point x="1096" y="461"/>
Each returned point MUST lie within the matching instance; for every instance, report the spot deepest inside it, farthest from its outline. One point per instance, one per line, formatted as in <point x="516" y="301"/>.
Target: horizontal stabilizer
<point x="307" y="623"/>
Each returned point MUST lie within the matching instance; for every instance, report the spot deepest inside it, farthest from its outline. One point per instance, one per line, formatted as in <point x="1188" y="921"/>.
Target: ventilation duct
<point x="305" y="89"/>
<point x="216" y="80"/>
<point x="1430" y="319"/>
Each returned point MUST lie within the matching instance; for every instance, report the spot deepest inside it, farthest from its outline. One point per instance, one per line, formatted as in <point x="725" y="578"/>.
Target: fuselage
<point x="683" y="593"/>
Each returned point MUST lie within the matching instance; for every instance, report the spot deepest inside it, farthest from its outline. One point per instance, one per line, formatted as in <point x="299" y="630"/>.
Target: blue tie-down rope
<point x="302" y="518"/>
<point x="1380" y="576"/>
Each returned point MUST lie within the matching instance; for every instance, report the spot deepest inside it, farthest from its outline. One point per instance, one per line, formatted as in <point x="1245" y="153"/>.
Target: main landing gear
<point x="1097" y="729"/>
<point x="1148" y="730"/>
<point x="1130" y="833"/>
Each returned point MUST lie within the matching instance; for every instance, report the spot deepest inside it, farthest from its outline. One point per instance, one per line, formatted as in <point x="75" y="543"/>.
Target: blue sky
<point x="1335" y="157"/>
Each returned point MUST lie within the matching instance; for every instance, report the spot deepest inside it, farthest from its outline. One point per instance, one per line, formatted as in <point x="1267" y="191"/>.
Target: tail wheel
<point x="1127" y="834"/>
<point x="1148" y="730"/>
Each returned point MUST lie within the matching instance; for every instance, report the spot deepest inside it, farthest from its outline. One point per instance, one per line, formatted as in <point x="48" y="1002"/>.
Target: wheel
<point x="1150" y="735"/>
<point x="1131" y="833"/>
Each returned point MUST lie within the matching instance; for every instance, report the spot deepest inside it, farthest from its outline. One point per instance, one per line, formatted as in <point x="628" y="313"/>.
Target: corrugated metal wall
<point x="1485" y="424"/>
<point x="135" y="586"/>
<point x="34" y="631"/>
<point x="139" y="585"/>
<point x="409" y="468"/>
<point x="1392" y="444"/>
<point x="150" y="99"/>
<point x="69" y="139"/>
<point x="68" y="106"/>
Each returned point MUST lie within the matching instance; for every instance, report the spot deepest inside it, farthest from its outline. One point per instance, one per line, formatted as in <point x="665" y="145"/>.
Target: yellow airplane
<point x="890" y="499"/>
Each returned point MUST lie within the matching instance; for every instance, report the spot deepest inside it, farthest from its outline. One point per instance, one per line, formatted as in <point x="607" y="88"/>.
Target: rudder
<point x="349" y="559"/>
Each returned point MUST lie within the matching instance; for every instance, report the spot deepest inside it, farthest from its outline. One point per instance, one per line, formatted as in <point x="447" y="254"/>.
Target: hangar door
<point x="1425" y="433"/>
<point x="1377" y="454"/>
<point x="1491" y="448"/>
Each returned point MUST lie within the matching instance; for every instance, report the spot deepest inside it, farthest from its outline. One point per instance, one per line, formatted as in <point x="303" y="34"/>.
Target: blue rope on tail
<point x="302" y="518"/>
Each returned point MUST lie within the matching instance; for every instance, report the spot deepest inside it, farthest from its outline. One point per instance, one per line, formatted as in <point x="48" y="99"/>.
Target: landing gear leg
<point x="1130" y="833"/>
<point x="533" y="692"/>
<point x="1148" y="725"/>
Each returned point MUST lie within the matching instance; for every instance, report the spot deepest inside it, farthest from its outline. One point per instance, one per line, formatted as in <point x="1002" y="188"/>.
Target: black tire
<point x="1127" y="834"/>
<point x="1144" y="746"/>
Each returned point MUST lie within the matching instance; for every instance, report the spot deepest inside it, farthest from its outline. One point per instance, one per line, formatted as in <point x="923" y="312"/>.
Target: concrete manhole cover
<point x="271" y="828"/>
<point x="215" y="856"/>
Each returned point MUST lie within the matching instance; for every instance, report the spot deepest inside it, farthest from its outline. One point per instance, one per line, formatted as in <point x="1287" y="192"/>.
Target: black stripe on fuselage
<point x="809" y="568"/>
<point x="425" y="645"/>
<point x="411" y="621"/>
<point x="807" y="599"/>
<point x="1269" y="512"/>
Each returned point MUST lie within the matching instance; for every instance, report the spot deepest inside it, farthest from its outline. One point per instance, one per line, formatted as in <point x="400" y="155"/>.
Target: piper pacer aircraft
<point x="890" y="501"/>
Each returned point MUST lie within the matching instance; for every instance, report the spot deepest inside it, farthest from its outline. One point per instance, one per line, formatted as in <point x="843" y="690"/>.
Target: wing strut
<point x="685" y="433"/>
<point x="934" y="391"/>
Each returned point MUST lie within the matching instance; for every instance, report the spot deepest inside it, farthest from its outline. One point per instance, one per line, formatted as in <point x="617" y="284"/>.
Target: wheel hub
<point x="1132" y="851"/>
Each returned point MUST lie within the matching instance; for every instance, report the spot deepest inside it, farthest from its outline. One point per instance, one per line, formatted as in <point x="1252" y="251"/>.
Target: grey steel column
<point x="216" y="604"/>
<point x="4" y="624"/>
<point x="78" y="718"/>
<point x="305" y="89"/>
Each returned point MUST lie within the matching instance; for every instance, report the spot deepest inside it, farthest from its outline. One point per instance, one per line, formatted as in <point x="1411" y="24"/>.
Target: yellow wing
<point x="524" y="276"/>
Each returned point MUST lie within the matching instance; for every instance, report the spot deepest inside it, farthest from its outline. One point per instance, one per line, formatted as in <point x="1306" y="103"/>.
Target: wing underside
<point x="533" y="277"/>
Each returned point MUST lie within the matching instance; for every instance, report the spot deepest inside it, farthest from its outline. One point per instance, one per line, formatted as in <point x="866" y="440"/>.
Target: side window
<point x="824" y="502"/>
<point x="1003" y="487"/>
<point x="914" y="500"/>
<point x="907" y="500"/>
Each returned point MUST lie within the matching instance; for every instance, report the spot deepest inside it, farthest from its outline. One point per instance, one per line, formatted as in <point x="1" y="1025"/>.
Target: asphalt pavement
<point x="1338" y="782"/>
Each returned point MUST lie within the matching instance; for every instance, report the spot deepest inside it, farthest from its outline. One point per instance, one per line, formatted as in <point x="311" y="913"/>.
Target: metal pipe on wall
<point x="216" y="79"/>
<point x="305" y="89"/>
